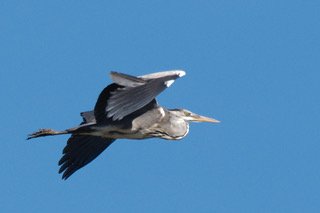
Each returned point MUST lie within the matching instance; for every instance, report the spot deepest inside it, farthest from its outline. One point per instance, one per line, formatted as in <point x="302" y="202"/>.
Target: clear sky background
<point x="254" y="65"/>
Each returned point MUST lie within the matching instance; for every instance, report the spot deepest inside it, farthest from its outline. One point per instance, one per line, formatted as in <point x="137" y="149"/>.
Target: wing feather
<point x="81" y="150"/>
<point x="141" y="91"/>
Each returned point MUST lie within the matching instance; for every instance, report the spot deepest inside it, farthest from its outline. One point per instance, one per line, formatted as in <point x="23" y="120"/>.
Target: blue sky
<point x="254" y="65"/>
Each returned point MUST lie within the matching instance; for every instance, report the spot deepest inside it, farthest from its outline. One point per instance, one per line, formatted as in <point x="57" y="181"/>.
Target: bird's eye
<point x="187" y="113"/>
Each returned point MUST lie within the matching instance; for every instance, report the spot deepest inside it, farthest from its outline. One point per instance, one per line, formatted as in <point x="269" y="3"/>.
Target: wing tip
<point x="180" y="73"/>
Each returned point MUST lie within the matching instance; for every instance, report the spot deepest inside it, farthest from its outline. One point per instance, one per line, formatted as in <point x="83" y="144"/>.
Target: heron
<point x="126" y="109"/>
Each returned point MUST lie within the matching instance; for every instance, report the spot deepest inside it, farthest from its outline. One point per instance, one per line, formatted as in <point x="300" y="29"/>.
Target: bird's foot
<point x="43" y="132"/>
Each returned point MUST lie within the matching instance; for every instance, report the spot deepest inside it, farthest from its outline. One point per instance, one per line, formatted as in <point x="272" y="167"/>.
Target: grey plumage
<point x="82" y="149"/>
<point x="124" y="109"/>
<point x="135" y="92"/>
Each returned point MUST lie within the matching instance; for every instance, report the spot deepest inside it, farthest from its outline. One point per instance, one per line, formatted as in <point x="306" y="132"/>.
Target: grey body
<point x="149" y="122"/>
<point x="124" y="109"/>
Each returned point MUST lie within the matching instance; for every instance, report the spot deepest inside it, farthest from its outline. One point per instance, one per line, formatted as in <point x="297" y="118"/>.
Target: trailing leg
<point x="46" y="132"/>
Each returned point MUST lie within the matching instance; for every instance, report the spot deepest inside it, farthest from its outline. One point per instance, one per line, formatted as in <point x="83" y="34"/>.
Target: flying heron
<point x="128" y="109"/>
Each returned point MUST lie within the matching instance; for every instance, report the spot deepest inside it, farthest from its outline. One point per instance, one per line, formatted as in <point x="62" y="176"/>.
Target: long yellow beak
<point x="199" y="118"/>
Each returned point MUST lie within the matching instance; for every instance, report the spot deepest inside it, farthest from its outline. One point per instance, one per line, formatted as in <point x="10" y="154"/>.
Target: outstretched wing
<point x="82" y="149"/>
<point x="131" y="93"/>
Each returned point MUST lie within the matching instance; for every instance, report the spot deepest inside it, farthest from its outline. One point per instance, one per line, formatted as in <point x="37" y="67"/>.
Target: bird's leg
<point x="46" y="132"/>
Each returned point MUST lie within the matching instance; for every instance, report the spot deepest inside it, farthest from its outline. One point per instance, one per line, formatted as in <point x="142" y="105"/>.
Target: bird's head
<point x="190" y="116"/>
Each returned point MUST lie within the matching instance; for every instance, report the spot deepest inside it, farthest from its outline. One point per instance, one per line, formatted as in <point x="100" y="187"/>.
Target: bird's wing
<point x="180" y="73"/>
<point x="88" y="117"/>
<point x="134" y="92"/>
<point x="82" y="149"/>
<point x="100" y="107"/>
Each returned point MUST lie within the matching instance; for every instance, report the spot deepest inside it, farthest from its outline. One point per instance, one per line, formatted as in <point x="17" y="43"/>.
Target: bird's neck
<point x="176" y="126"/>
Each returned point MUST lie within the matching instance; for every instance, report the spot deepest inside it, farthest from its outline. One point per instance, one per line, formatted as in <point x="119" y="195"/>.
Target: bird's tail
<point x="46" y="132"/>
